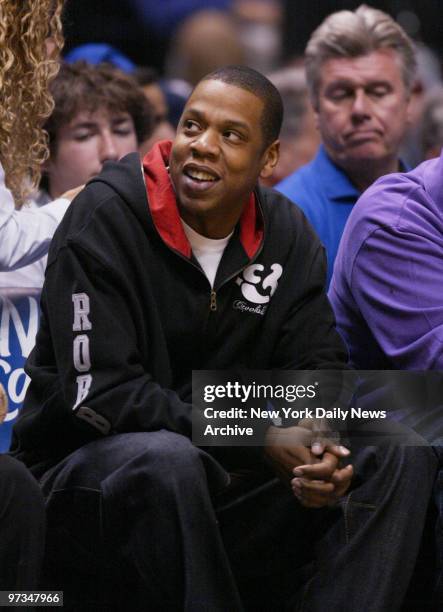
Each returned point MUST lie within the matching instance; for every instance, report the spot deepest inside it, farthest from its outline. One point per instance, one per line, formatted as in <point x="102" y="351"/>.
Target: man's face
<point x="362" y="108"/>
<point x="218" y="155"/>
<point x="84" y="144"/>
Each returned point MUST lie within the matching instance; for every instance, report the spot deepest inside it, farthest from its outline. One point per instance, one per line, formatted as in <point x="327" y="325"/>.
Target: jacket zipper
<point x="213" y="301"/>
<point x="213" y="294"/>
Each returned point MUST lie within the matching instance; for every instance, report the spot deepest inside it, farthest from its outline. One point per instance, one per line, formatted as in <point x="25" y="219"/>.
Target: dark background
<point x="117" y="22"/>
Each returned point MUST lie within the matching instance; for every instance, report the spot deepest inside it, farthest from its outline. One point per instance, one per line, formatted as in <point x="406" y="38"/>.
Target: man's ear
<point x="271" y="156"/>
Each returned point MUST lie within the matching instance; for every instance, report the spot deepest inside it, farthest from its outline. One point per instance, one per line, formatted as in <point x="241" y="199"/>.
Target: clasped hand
<point x="308" y="458"/>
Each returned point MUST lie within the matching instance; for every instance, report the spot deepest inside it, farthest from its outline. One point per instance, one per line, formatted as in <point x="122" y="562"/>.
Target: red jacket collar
<point x="164" y="211"/>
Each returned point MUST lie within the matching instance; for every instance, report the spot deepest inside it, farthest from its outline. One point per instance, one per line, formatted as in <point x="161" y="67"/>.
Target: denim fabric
<point x="429" y="423"/>
<point x="365" y="561"/>
<point x="139" y="503"/>
<point x="136" y="511"/>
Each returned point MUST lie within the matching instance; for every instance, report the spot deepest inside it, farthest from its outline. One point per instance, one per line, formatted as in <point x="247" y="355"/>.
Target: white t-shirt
<point x="207" y="251"/>
<point x="25" y="235"/>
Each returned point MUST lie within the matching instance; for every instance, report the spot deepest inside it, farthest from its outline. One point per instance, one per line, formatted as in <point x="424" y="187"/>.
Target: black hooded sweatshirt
<point x="128" y="313"/>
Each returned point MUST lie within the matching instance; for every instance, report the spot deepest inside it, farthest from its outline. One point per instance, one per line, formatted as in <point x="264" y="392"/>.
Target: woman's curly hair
<point x="25" y="73"/>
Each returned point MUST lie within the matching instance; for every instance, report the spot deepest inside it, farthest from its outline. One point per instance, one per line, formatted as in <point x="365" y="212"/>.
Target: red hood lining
<point x="164" y="211"/>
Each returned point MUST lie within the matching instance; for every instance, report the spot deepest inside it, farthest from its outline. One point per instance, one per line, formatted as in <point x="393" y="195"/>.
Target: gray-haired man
<point x="360" y="68"/>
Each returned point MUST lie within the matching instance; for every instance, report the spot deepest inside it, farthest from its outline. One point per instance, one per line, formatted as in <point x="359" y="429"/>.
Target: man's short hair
<point x="250" y="80"/>
<point x="82" y="87"/>
<point x="350" y="34"/>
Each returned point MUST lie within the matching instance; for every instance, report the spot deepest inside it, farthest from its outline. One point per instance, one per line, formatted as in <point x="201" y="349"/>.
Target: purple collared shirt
<point x="387" y="286"/>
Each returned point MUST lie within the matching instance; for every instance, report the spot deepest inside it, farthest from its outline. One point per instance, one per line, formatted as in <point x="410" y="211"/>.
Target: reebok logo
<point x="257" y="285"/>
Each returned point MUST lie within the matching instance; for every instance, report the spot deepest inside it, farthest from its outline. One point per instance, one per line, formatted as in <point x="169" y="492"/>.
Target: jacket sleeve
<point x="103" y="377"/>
<point x="25" y="235"/>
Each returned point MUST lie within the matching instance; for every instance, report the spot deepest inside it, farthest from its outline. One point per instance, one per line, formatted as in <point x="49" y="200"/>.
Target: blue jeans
<point x="157" y="512"/>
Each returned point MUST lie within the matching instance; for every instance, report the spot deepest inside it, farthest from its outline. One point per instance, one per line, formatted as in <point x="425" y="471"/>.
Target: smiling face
<point x="218" y="155"/>
<point x="362" y="109"/>
<point x="83" y="145"/>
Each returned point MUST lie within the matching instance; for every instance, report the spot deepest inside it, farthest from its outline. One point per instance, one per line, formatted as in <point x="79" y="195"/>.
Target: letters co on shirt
<point x="19" y="320"/>
<point x="81" y="353"/>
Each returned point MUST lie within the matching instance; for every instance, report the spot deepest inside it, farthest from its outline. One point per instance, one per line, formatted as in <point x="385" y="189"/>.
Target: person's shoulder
<point x="278" y="205"/>
<point x="108" y="203"/>
<point x="119" y="186"/>
<point x="398" y="184"/>
<point x="283" y="217"/>
<point x="304" y="186"/>
<point x="396" y="204"/>
<point x="398" y="197"/>
<point x="426" y="178"/>
<point x="294" y="185"/>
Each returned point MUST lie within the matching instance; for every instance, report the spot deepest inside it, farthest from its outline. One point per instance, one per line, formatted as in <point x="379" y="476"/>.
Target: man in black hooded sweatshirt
<point x="188" y="265"/>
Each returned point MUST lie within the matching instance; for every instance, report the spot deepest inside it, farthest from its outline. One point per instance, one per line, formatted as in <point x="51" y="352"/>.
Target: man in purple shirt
<point x="387" y="293"/>
<point x="387" y="284"/>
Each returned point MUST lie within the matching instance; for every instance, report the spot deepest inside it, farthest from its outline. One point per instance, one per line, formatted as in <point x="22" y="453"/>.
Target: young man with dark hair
<point x="100" y="114"/>
<point x="143" y="286"/>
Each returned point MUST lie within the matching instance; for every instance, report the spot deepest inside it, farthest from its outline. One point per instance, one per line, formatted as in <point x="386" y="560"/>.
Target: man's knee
<point x="167" y="460"/>
<point x="93" y="464"/>
<point x="174" y="450"/>
<point x="165" y="465"/>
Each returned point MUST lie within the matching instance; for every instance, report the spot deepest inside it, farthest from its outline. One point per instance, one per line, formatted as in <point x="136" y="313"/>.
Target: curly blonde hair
<point x="25" y="73"/>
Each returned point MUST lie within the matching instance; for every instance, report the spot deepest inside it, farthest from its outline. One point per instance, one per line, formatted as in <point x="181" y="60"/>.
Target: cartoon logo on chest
<point x="257" y="285"/>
